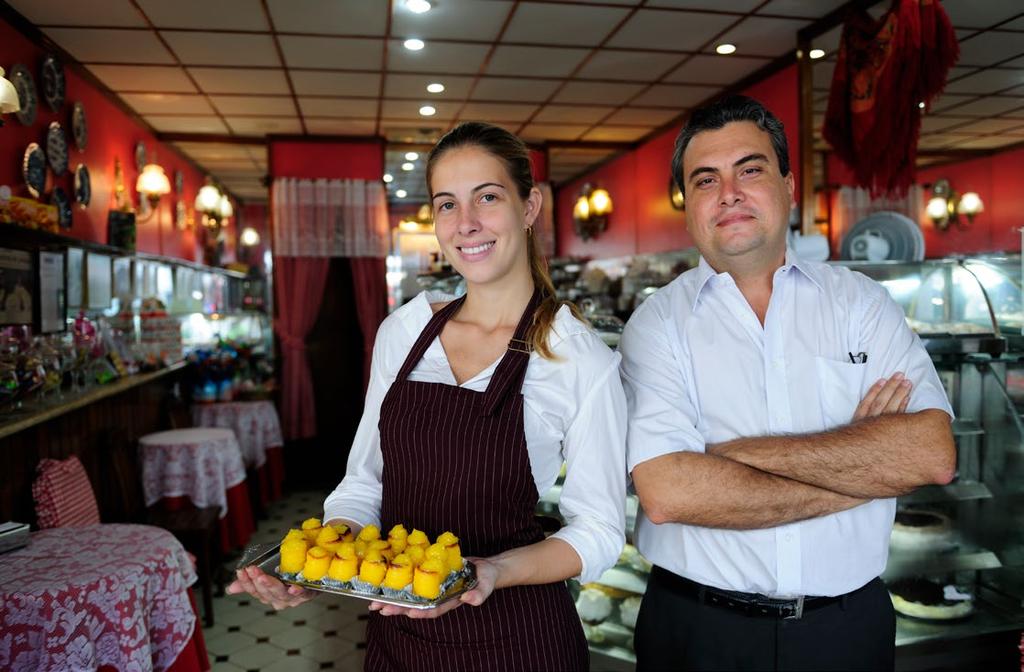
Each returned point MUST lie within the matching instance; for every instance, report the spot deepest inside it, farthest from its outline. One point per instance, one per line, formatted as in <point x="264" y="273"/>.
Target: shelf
<point x="903" y="564"/>
<point x="987" y="619"/>
<point x="954" y="492"/>
<point x="19" y="421"/>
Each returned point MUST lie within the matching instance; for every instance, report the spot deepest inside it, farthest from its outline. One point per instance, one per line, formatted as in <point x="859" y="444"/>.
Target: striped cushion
<point x="63" y="495"/>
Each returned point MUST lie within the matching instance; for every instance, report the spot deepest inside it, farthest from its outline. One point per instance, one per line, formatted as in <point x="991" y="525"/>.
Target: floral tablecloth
<point x="77" y="598"/>
<point x="198" y="463"/>
<point x="255" y="424"/>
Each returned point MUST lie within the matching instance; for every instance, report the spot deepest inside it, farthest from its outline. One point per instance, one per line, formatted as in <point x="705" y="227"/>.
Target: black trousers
<point x="676" y="631"/>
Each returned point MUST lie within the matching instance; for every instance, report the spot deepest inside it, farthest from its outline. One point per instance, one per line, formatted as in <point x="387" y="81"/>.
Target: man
<point x="765" y="454"/>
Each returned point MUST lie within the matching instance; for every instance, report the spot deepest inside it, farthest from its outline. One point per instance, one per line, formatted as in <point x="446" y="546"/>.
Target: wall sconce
<point x="152" y="184"/>
<point x="423" y="222"/>
<point x="8" y="97"/>
<point x="945" y="206"/>
<point x="675" y="195"/>
<point x="250" y="237"/>
<point x="214" y="206"/>
<point x="591" y="211"/>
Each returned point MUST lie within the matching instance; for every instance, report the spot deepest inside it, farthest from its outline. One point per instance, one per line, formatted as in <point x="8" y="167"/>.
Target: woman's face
<point x="479" y="219"/>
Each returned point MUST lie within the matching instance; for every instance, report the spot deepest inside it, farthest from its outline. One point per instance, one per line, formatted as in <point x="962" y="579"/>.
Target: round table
<point x="258" y="431"/>
<point x="82" y="598"/>
<point x="204" y="466"/>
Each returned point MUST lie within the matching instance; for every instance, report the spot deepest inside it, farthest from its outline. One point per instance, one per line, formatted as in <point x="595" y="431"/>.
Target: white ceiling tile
<point x="170" y="124"/>
<point x="264" y="125"/>
<point x="343" y="17"/>
<point x="339" y="107"/>
<point x="934" y="141"/>
<point x="675" y="95"/>
<point x="409" y="110"/>
<point x="415" y="86"/>
<point x="991" y="126"/>
<point x="451" y="20"/>
<point x="214" y="151"/>
<point x="572" y="114"/>
<point x="235" y="80"/>
<point x="976" y="14"/>
<point x="738" y="6"/>
<point x="204" y="14"/>
<point x="111" y="45"/>
<point x="828" y="41"/>
<point x="642" y="116"/>
<point x="634" y="65"/>
<point x="537" y="61"/>
<point x="508" y="88"/>
<point x="806" y="8"/>
<point x="118" y="13"/>
<point x="331" y="52"/>
<point x="721" y="70"/>
<point x="931" y="124"/>
<point x="171" y="79"/>
<point x="991" y="105"/>
<point x="822" y="73"/>
<point x="341" y="126"/>
<point x="437" y="57"/>
<point x="661" y="29"/>
<point x="764" y="37"/>
<point x="988" y="81"/>
<point x="261" y="105"/>
<point x="597" y="92"/>
<point x="1017" y="24"/>
<point x="312" y="82"/>
<point x="948" y="100"/>
<point x="162" y="103"/>
<point x="562" y="24"/>
<point x="990" y="48"/>
<point x="988" y="142"/>
<point x="552" y="132"/>
<point x="495" y="112"/>
<point x="197" y="48"/>
<point x="617" y="133"/>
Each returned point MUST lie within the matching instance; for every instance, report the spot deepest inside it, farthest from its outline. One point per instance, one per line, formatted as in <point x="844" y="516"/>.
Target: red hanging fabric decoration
<point x="884" y="70"/>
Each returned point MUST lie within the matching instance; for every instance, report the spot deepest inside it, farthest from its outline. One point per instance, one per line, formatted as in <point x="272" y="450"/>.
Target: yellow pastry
<point x="328" y="538"/>
<point x="295" y="534"/>
<point x="427" y="578"/>
<point x="416" y="554"/>
<point x="344" y="532"/>
<point x="360" y="547"/>
<point x="399" y="573"/>
<point x="373" y="568"/>
<point x="318" y="561"/>
<point x="293" y="555"/>
<point x="311" y="528"/>
<point x="369" y="533"/>
<point x="439" y="552"/>
<point x="384" y="547"/>
<point x="398" y="538"/>
<point x="345" y="564"/>
<point x="418" y="538"/>
<point x="451" y="542"/>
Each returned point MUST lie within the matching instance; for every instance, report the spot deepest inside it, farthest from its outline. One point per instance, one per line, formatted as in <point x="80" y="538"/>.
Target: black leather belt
<point x="751" y="604"/>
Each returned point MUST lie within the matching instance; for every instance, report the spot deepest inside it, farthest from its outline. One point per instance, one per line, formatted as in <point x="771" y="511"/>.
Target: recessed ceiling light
<point x="388" y="177"/>
<point x="921" y="104"/>
<point x="428" y="111"/>
<point x="408" y="166"/>
<point x="725" y="48"/>
<point x="401" y="193"/>
<point x="413" y="44"/>
<point x="816" y="53"/>
<point x="435" y="87"/>
<point x="417" y="6"/>
<point x="411" y="156"/>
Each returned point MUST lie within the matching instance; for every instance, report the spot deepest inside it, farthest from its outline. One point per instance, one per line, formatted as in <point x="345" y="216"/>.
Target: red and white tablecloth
<point x="77" y="598"/>
<point x="255" y="424"/>
<point x="199" y="463"/>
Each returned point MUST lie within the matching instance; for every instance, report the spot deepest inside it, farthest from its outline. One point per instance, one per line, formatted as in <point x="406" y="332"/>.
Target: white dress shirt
<point x="574" y="412"/>
<point x="698" y="368"/>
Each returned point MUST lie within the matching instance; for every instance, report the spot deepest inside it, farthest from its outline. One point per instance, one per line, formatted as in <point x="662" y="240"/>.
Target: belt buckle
<point x="798" y="610"/>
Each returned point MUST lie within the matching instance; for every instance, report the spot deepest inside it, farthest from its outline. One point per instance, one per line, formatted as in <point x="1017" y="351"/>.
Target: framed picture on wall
<point x="98" y="284"/>
<point x="52" y="302"/>
<point x="16" y="287"/>
<point x="75" y="275"/>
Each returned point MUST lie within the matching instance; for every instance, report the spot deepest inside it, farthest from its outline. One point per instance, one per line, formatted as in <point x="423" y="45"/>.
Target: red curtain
<point x="369" y="282"/>
<point x="299" y="288"/>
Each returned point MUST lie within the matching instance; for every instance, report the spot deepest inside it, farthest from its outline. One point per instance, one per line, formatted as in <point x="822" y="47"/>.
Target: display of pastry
<point x="629" y="609"/>
<point x="594" y="605"/>
<point x="631" y="556"/>
<point x="921" y="598"/>
<point x="921" y="530"/>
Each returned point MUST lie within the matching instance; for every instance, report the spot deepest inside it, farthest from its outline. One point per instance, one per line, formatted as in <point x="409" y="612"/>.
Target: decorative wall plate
<point x="33" y="169"/>
<point x="83" y="186"/>
<point x="60" y="199"/>
<point x="179" y="182"/>
<point x="53" y="82"/>
<point x="26" y="88"/>
<point x="79" y="127"/>
<point x="140" y="156"/>
<point x="181" y="215"/>
<point x="57" y="148"/>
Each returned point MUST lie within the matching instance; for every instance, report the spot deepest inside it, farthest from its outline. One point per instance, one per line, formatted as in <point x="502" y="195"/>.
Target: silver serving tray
<point x="267" y="557"/>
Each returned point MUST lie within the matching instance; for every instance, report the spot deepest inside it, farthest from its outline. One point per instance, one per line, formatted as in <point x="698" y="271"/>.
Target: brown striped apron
<point x="456" y="459"/>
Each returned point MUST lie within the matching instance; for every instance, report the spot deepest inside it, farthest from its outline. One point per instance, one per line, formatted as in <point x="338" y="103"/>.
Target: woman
<point x="473" y="405"/>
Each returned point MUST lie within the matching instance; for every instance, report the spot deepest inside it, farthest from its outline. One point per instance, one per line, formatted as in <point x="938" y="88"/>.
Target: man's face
<point x="737" y="201"/>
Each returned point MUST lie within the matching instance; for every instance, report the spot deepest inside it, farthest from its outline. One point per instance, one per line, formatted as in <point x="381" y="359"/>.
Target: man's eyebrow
<point x="750" y="157"/>
<point x="708" y="169"/>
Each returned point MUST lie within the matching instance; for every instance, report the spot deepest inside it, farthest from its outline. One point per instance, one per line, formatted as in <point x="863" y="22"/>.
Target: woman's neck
<point x="496" y="305"/>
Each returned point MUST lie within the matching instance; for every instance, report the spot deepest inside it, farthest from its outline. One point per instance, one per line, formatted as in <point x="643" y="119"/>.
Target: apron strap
<point x="511" y="370"/>
<point x="427" y="336"/>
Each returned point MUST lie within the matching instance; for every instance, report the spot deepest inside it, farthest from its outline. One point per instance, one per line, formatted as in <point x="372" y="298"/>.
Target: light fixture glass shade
<point x="153" y="181"/>
<point x="582" y="208"/>
<point x="938" y="208"/>
<point x="208" y="199"/>
<point x="970" y="204"/>
<point x="224" y="207"/>
<point x="8" y="96"/>
<point x="601" y="202"/>
<point x="249" y="237"/>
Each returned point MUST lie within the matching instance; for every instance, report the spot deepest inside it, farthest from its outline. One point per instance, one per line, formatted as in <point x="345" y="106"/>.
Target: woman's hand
<point x="886" y="396"/>
<point x="486" y="578"/>
<point x="267" y="589"/>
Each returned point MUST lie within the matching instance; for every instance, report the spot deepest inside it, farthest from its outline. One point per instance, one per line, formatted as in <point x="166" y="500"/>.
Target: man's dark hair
<point x="724" y="111"/>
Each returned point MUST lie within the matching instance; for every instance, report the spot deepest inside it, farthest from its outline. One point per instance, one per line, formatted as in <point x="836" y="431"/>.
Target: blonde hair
<point x="514" y="153"/>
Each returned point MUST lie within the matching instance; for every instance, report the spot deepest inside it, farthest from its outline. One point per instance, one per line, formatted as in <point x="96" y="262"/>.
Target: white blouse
<point x="574" y="412"/>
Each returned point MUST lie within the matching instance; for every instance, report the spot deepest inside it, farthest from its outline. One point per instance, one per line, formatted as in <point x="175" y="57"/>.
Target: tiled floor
<point x="325" y="633"/>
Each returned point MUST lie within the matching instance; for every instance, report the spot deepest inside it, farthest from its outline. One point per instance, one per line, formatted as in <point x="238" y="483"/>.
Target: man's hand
<point x="886" y="396"/>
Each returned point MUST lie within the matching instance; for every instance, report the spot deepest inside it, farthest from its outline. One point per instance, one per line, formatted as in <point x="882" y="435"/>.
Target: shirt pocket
<point x="840" y="386"/>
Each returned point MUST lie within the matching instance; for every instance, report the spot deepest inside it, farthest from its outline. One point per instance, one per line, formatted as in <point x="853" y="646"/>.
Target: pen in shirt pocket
<point x="859" y="358"/>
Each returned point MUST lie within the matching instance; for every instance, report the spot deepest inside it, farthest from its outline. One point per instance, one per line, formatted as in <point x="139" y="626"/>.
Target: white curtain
<point x="855" y="204"/>
<point x="330" y="218"/>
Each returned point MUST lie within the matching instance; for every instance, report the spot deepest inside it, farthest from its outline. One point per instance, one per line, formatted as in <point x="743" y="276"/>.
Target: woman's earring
<point x="529" y="231"/>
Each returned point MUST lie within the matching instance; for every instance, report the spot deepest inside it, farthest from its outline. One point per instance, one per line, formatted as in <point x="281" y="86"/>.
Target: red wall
<point x="643" y="219"/>
<point x="340" y="160"/>
<point x="112" y="133"/>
